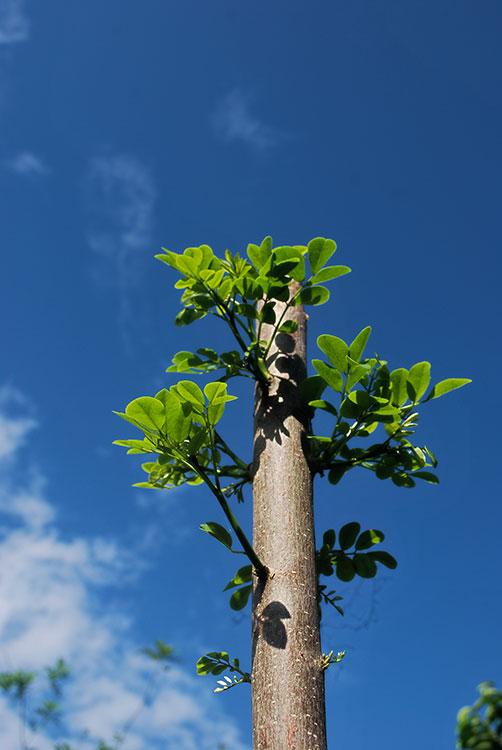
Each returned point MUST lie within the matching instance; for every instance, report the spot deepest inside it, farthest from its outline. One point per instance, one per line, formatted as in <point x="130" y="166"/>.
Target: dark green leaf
<point x="365" y="566"/>
<point x="336" y="473"/>
<point x="384" y="558"/>
<point x="335" y="349"/>
<point x="348" y="534"/>
<point x="368" y="538"/>
<point x="267" y="313"/>
<point x="345" y="569"/>
<point x="219" y="533"/>
<point x="329" y="538"/>
<point x="311" y="388"/>
<point x="320" y="251"/>
<point x="240" y="597"/>
<point x="356" y="349"/>
<point x="445" y="386"/>
<point x="187" y="316"/>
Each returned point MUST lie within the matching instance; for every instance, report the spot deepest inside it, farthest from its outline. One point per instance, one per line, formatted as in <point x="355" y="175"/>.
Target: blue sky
<point x="128" y="126"/>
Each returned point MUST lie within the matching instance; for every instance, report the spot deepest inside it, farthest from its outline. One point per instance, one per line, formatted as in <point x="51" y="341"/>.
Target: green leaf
<point x="312" y="295"/>
<point x="285" y="253"/>
<point x="219" y="533"/>
<point x="324" y="405"/>
<point x="187" y="316"/>
<point x="345" y="569"/>
<point x="365" y="566"/>
<point x="428" y="476"/>
<point x="319" y="252"/>
<point x="148" y="411"/>
<point x="243" y="575"/>
<point x="311" y="388"/>
<point x="336" y="473"/>
<point x="332" y="376"/>
<point x="445" y="386"/>
<point x="335" y="349"/>
<point x="368" y="538"/>
<point x="177" y="415"/>
<point x="384" y="558"/>
<point x="419" y="378"/>
<point x="399" y="381"/>
<point x="329" y="538"/>
<point x="240" y="597"/>
<point x="348" y="534"/>
<point x="329" y="273"/>
<point x="191" y="392"/>
<point x="356" y="349"/>
<point x="267" y="313"/>
<point x="289" y="326"/>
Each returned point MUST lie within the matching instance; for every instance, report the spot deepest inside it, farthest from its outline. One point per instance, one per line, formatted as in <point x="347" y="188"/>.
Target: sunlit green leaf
<point x="312" y="295"/>
<point x="419" y="378"/>
<point x="335" y="349"/>
<point x="289" y="326"/>
<point x="243" y="575"/>
<point x="320" y="251"/>
<point x="332" y="376"/>
<point x="356" y="349"/>
<point x="177" y="415"/>
<point x="329" y="273"/>
<point x="191" y="392"/>
<point x="399" y="380"/>
<point x="187" y="316"/>
<point x="427" y="476"/>
<point x="324" y="405"/>
<point x="445" y="386"/>
<point x="148" y="411"/>
<point x="240" y="597"/>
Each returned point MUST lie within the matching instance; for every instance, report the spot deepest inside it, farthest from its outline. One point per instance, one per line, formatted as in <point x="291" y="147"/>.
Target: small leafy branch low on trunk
<point x="261" y="301"/>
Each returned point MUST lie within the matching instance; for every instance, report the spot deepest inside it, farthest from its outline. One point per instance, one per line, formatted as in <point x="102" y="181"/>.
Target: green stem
<point x="261" y="570"/>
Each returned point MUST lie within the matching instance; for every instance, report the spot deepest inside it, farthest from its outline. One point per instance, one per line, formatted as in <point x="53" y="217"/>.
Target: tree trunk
<point x="287" y="679"/>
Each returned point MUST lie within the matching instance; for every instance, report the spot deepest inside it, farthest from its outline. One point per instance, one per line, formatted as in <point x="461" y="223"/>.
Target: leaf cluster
<point x="369" y="395"/>
<point x="480" y="726"/>
<point x="243" y="292"/>
<point x="217" y="662"/>
<point x="346" y="562"/>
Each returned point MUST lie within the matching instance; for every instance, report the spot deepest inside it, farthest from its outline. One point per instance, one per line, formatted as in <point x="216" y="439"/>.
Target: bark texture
<point x="287" y="679"/>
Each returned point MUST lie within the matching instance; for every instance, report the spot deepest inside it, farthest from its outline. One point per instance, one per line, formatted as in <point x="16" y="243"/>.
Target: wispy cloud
<point x="234" y="121"/>
<point x="121" y="197"/>
<point x="13" y="428"/>
<point x="51" y="606"/>
<point x="14" y="25"/>
<point x="27" y="164"/>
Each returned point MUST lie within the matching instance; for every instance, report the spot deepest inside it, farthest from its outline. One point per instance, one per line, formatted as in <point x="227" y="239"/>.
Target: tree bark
<point x="287" y="679"/>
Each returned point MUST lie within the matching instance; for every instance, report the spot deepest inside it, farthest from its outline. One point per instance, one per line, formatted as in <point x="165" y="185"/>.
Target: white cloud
<point x="121" y="197"/>
<point x="13" y="429"/>
<point x="27" y="164"/>
<point x="233" y="121"/>
<point x="55" y="602"/>
<point x="14" y="25"/>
